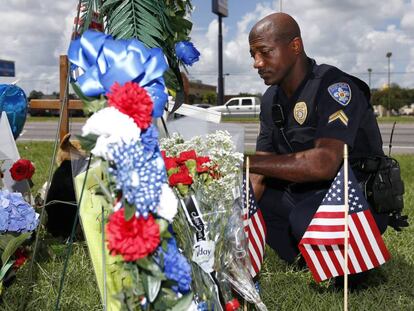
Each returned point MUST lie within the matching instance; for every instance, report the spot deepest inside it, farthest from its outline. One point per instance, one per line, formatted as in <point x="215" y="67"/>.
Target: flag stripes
<point x="322" y="245"/>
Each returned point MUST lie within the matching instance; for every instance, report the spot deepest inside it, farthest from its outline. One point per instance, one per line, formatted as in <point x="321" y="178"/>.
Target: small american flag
<point x="255" y="229"/>
<point x="322" y="245"/>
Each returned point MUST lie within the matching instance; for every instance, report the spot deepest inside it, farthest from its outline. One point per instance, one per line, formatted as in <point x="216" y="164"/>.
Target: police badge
<point x="341" y="92"/>
<point x="300" y="112"/>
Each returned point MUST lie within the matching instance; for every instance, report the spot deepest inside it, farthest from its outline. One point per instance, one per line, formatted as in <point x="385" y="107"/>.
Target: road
<point x="403" y="140"/>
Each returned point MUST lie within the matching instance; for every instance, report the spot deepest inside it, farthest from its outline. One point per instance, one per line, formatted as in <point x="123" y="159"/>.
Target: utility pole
<point x="369" y="77"/>
<point x="220" y="8"/>
<point x="388" y="55"/>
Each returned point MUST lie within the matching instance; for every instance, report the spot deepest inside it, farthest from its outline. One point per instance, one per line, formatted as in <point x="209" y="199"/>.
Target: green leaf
<point x="5" y="239"/>
<point x="80" y="94"/>
<point x="163" y="224"/>
<point x="94" y="106"/>
<point x="87" y="142"/>
<point x="4" y="269"/>
<point x="108" y="3"/>
<point x="152" y="286"/>
<point x="129" y="210"/>
<point x="183" y="303"/>
<point x="13" y="245"/>
<point x="149" y="265"/>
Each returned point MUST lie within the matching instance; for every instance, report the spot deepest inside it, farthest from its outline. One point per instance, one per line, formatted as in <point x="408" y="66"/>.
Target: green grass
<point x="40" y="154"/>
<point x="53" y="119"/>
<point x="284" y="287"/>
<point x="398" y="119"/>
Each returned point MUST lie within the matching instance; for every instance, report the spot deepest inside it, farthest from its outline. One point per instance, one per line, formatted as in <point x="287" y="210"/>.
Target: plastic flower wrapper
<point x="205" y="173"/>
<point x="235" y="261"/>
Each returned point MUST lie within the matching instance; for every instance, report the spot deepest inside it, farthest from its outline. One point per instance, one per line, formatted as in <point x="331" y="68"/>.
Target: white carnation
<point x="168" y="203"/>
<point x="112" y="126"/>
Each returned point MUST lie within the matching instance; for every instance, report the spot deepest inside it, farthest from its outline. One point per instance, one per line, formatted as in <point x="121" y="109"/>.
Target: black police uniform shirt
<point x="347" y="117"/>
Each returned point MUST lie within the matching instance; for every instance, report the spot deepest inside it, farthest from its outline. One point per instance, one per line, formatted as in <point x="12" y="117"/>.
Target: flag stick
<point x="247" y="201"/>
<point x="346" y="203"/>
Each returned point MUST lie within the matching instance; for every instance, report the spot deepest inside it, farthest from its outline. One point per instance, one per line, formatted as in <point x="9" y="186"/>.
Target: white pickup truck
<point x="240" y="107"/>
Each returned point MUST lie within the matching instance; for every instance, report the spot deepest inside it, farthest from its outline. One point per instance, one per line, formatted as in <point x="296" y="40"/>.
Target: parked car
<point x="240" y="107"/>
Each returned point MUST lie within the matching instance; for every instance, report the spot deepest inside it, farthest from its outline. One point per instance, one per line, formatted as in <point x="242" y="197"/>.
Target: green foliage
<point x="210" y="98"/>
<point x="155" y="23"/>
<point x="11" y="243"/>
<point x="397" y="96"/>
<point x="88" y="9"/>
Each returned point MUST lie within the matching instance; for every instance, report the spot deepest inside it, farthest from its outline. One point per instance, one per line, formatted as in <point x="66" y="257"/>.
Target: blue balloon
<point x="13" y="101"/>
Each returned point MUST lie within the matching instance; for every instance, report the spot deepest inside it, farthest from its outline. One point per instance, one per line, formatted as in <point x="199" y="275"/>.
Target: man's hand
<point x="258" y="185"/>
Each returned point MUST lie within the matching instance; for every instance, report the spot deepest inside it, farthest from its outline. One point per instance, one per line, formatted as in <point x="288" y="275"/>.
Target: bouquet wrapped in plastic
<point x="205" y="173"/>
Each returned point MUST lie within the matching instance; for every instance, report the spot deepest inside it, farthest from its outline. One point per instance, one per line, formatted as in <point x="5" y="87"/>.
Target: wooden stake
<point x="247" y="202"/>
<point x="346" y="205"/>
<point x="63" y="95"/>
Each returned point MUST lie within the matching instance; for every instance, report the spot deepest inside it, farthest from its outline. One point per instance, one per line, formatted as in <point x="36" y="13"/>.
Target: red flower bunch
<point x="22" y="169"/>
<point x="132" y="100"/>
<point x="133" y="239"/>
<point x="183" y="169"/>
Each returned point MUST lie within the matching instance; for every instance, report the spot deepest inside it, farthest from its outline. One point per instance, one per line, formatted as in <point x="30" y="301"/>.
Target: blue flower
<point x="176" y="267"/>
<point x="16" y="214"/>
<point x="186" y="52"/>
<point x="149" y="140"/>
<point x="4" y="219"/>
<point x="139" y="175"/>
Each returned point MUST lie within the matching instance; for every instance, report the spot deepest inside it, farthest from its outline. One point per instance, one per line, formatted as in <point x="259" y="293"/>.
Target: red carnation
<point x="132" y="100"/>
<point x="22" y="169"/>
<point x="182" y="177"/>
<point x="21" y="257"/>
<point x="186" y="155"/>
<point x="201" y="168"/>
<point x="133" y="239"/>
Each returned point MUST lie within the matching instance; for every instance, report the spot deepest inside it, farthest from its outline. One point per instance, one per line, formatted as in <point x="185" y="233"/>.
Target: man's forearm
<point x="316" y="164"/>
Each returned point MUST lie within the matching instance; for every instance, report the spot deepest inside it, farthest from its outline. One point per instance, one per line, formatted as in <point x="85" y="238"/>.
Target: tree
<point x="397" y="96"/>
<point x="35" y="94"/>
<point x="210" y="98"/>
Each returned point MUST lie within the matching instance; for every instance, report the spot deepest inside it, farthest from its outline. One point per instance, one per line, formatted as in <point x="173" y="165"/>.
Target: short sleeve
<point x="340" y="105"/>
<point x="264" y="139"/>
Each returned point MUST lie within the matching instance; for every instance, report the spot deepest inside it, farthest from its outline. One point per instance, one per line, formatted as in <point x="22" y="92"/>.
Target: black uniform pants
<point x="287" y="213"/>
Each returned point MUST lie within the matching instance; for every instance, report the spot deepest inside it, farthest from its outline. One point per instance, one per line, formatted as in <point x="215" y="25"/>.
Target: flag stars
<point x="360" y="205"/>
<point x="353" y="190"/>
<point x="329" y="199"/>
<point x="349" y="182"/>
<point x="338" y="182"/>
<point x="338" y="198"/>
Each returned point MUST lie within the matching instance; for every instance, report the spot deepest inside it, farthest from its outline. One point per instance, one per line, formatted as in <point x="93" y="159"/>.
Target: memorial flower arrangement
<point x="18" y="220"/>
<point x="121" y="137"/>
<point x="205" y="173"/>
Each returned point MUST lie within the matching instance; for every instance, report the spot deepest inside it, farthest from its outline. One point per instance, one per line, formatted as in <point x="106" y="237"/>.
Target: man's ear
<point x="297" y="45"/>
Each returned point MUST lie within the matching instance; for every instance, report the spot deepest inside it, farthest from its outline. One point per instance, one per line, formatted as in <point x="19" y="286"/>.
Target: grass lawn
<point x="284" y="287"/>
<point x="53" y="119"/>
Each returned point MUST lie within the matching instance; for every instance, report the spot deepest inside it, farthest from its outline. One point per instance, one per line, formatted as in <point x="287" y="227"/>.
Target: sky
<point x="353" y="35"/>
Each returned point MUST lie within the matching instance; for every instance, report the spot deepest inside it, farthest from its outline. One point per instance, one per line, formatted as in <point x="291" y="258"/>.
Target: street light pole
<point x="388" y="55"/>
<point x="369" y="77"/>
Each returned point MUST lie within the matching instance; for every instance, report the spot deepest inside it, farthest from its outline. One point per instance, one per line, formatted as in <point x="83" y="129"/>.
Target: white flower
<point x="168" y="203"/>
<point x="111" y="126"/>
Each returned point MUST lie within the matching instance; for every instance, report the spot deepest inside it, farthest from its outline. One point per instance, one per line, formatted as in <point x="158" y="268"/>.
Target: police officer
<point x="307" y="115"/>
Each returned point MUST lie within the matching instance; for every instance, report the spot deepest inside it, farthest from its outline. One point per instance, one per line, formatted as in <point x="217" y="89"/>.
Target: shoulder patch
<point x="341" y="92"/>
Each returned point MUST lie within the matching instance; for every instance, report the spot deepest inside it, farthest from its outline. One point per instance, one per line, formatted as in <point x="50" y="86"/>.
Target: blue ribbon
<point x="106" y="61"/>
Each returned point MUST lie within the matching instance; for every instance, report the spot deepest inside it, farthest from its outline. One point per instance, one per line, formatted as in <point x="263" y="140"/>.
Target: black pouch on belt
<point x="384" y="188"/>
